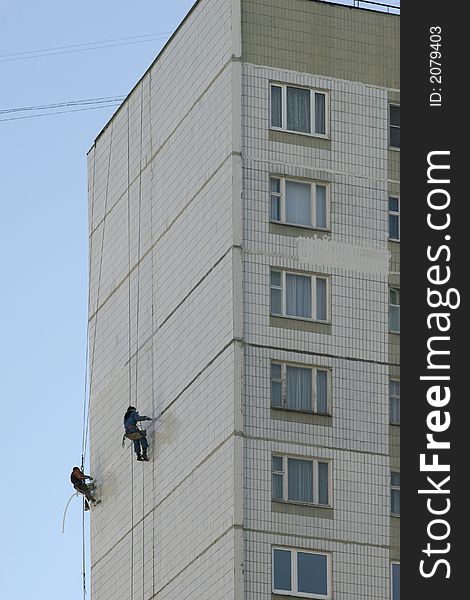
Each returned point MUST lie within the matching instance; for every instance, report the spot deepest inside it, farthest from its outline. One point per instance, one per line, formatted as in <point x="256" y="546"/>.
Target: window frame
<point x="313" y="292"/>
<point x="390" y="104"/>
<point x="283" y="382"/>
<point x="395" y="488"/>
<point x="315" y="479"/>
<point x="294" y="576"/>
<point x="395" y="214"/>
<point x="394" y="397"/>
<point x="312" y="91"/>
<point x="283" y="179"/>
<point x="394" y="563"/>
<point x="390" y="306"/>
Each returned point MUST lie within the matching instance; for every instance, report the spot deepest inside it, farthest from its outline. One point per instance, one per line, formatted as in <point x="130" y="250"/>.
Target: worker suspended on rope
<point x="131" y="418"/>
<point x="78" y="477"/>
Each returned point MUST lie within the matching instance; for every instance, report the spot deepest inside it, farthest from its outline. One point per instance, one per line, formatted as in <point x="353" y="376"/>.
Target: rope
<point x="152" y="356"/>
<point x="88" y="382"/>
<point x="129" y="344"/>
<point x="137" y="330"/>
<point x="83" y="551"/>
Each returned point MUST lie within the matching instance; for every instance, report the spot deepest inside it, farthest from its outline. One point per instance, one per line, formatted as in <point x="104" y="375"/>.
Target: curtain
<point x="276" y="103"/>
<point x="298" y="203"/>
<point x="298" y="296"/>
<point x="322" y="483"/>
<point x="322" y="391"/>
<point x="321" y="299"/>
<point x="321" y="206"/>
<point x="320" y="116"/>
<point x="298" y="109"/>
<point x="300" y="480"/>
<point x="299" y="388"/>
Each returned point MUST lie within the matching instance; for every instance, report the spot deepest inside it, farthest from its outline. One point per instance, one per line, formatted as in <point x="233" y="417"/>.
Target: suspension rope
<point x="83" y="551"/>
<point x="92" y="363"/>
<point x="152" y="355"/>
<point x="88" y="366"/>
<point x="139" y="249"/>
<point x="129" y="343"/>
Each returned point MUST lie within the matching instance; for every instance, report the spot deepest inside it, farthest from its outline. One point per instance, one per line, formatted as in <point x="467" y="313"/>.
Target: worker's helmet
<point x="130" y="408"/>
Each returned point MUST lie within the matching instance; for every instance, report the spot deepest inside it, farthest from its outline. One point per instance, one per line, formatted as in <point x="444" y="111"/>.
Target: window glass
<point x="300" y="480"/>
<point x="395" y="581"/>
<point x="299" y="388"/>
<point x="312" y="573"/>
<point x="322" y="391"/>
<point x="298" y="203"/>
<point x="321" y="206"/>
<point x="298" y="109"/>
<point x="282" y="570"/>
<point x="298" y="296"/>
<point x="276" y="106"/>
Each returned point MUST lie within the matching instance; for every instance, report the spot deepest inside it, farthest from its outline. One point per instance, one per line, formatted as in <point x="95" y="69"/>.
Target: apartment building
<point x="244" y="291"/>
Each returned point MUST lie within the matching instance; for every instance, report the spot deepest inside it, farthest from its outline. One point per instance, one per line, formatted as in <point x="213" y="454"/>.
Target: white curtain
<point x="320" y="119"/>
<point x="321" y="206"/>
<point x="321" y="299"/>
<point x="298" y="109"/>
<point x="322" y="392"/>
<point x="298" y="296"/>
<point x="322" y="483"/>
<point x="300" y="480"/>
<point x="298" y="203"/>
<point x="276" y="103"/>
<point x="299" y="388"/>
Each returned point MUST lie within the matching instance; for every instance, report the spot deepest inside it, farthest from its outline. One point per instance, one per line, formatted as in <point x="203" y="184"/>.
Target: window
<point x="299" y="109"/>
<point x="394" y="401"/>
<point x="299" y="296"/>
<point x="394" y="310"/>
<point x="394" y="218"/>
<point x="395" y="581"/>
<point x="301" y="573"/>
<point x="301" y="203"/>
<point x="394" y="126"/>
<point x="395" y="493"/>
<point x="300" y="388"/>
<point x="300" y="480"/>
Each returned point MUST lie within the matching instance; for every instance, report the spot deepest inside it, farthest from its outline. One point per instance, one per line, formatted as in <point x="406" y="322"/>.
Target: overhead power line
<point x="51" y="109"/>
<point x="85" y="46"/>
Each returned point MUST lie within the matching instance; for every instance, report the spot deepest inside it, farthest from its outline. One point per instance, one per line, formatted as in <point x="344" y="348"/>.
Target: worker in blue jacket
<point x="131" y="418"/>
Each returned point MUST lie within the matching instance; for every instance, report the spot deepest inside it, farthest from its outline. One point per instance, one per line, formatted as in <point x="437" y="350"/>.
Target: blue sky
<point x="44" y="254"/>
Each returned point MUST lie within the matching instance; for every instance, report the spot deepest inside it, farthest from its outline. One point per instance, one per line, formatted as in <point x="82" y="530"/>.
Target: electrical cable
<point x="97" y="45"/>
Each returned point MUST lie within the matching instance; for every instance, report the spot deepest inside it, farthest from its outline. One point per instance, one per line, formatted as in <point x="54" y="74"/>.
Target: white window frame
<point x="390" y="396"/>
<point x="294" y="577"/>
<point x="283" y="381"/>
<point x="395" y="214"/>
<point x="313" y="91"/>
<point x="313" y="288"/>
<point x="392" y="564"/>
<point x="285" y="479"/>
<point x="390" y="126"/>
<point x="396" y="488"/>
<point x="395" y="306"/>
<point x="313" y="202"/>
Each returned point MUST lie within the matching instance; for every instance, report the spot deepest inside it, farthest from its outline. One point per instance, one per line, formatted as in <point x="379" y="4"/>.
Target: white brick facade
<point x="180" y="254"/>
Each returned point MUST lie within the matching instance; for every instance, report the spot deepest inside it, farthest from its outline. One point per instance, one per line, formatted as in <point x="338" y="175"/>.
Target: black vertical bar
<point x="433" y="120"/>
